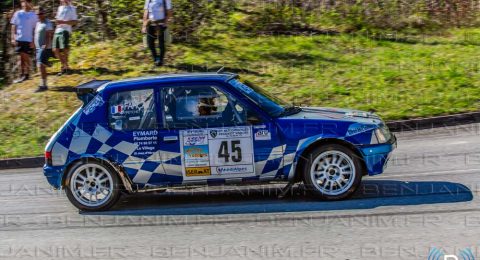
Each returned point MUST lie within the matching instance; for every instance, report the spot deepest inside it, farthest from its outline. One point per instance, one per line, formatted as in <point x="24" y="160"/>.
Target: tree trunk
<point x="5" y="47"/>
<point x="107" y="33"/>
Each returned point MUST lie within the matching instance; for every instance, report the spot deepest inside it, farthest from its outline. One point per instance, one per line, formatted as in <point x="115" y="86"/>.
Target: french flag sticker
<point x="116" y="109"/>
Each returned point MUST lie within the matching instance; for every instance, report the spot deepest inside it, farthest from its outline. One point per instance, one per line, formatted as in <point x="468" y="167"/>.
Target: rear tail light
<point x="48" y="158"/>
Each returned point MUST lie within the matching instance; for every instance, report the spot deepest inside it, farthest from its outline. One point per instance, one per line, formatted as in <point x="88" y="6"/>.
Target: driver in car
<point x="206" y="106"/>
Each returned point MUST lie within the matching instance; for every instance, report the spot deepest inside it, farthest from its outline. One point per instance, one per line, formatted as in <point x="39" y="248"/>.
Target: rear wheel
<point x="91" y="186"/>
<point x="332" y="172"/>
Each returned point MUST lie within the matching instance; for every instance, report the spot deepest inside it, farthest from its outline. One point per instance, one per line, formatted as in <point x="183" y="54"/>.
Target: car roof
<point x="168" y="78"/>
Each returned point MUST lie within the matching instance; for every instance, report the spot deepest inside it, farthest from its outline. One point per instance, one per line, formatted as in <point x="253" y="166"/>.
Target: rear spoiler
<point x="87" y="91"/>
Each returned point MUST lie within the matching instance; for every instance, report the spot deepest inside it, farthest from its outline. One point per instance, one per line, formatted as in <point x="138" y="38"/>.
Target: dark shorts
<point x="61" y="40"/>
<point x="43" y="55"/>
<point x="23" y="47"/>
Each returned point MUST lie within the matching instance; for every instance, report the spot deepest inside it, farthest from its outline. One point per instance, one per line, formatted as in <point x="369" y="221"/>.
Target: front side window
<point x="201" y="106"/>
<point x="133" y="110"/>
<point x="271" y="104"/>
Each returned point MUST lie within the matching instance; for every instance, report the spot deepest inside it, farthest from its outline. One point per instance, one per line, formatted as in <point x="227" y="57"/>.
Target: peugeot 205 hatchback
<point x="202" y="129"/>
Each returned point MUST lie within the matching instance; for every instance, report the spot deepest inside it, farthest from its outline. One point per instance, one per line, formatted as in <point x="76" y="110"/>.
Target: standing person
<point x="43" y="45"/>
<point x="155" y="21"/>
<point x="23" y="26"/>
<point x="65" y="19"/>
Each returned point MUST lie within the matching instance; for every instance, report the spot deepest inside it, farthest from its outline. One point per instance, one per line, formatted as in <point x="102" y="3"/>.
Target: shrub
<point x="359" y="15"/>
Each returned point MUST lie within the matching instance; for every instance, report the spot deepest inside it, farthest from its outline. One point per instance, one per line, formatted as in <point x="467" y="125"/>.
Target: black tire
<point x="325" y="150"/>
<point x="76" y="200"/>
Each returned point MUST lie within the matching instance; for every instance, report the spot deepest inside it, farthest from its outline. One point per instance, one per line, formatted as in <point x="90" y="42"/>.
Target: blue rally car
<point x="151" y="133"/>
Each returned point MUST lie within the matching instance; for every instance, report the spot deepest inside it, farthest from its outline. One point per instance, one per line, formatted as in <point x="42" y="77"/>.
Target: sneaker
<point x="63" y="72"/>
<point x="158" y="62"/>
<point x="21" y="79"/>
<point x="41" y="89"/>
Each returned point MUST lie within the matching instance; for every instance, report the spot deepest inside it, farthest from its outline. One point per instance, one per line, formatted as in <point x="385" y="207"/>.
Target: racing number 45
<point x="235" y="153"/>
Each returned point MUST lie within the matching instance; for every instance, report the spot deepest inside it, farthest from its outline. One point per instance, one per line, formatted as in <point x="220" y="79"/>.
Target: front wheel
<point x="332" y="172"/>
<point x="91" y="186"/>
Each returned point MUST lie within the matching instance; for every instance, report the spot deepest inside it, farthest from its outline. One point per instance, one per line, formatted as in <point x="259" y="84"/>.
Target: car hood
<point x="326" y="113"/>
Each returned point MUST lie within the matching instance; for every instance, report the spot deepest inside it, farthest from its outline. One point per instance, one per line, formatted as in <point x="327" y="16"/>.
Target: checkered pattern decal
<point x="160" y="168"/>
<point x="151" y="170"/>
<point x="164" y="166"/>
<point x="99" y="142"/>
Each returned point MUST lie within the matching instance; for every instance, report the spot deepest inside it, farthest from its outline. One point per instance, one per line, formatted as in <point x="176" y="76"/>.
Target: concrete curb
<point x="21" y="163"/>
<point x="395" y="126"/>
<point x="434" y="122"/>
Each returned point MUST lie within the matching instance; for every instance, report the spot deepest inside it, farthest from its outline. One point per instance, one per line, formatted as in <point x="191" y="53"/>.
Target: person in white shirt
<point x="155" y="21"/>
<point x="65" y="19"/>
<point x="23" y="26"/>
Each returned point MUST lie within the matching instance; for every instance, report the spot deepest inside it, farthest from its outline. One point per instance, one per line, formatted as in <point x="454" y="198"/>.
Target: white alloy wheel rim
<point x="91" y="185"/>
<point x="332" y="173"/>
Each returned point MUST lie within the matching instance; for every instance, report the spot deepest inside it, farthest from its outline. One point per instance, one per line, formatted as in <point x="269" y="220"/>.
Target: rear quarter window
<point x="132" y="110"/>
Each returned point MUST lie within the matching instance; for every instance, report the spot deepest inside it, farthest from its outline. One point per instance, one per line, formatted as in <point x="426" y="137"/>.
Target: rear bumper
<point x="54" y="175"/>
<point x="376" y="156"/>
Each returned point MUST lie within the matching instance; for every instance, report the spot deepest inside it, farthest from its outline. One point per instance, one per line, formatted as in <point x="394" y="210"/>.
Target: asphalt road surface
<point x="426" y="201"/>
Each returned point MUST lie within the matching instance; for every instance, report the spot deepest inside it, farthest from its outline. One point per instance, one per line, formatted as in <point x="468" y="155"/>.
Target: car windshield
<point x="269" y="103"/>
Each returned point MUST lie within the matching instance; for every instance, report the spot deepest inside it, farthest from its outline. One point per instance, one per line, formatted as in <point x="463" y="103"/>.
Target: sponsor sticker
<point x="196" y="156"/>
<point x="194" y="132"/>
<point x="263" y="135"/>
<point x="195" y="140"/>
<point x="243" y="87"/>
<point x="231" y="170"/>
<point x="358" y="128"/>
<point x="213" y="133"/>
<point x="197" y="171"/>
<point x="229" y="132"/>
<point x="96" y="102"/>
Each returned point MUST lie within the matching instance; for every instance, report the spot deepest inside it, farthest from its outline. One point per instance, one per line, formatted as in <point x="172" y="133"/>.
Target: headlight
<point x="383" y="134"/>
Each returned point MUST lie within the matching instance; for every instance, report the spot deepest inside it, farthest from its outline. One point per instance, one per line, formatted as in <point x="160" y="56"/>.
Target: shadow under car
<point x="264" y="199"/>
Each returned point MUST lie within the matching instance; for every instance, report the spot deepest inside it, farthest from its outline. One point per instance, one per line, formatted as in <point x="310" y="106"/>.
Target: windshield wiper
<point x="291" y="110"/>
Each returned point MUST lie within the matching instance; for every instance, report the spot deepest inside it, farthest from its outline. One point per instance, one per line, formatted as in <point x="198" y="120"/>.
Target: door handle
<point x="170" y="138"/>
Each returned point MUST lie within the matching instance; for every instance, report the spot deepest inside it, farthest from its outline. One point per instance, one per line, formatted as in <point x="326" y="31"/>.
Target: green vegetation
<point x="400" y="59"/>
<point x="374" y="16"/>
<point x="399" y="80"/>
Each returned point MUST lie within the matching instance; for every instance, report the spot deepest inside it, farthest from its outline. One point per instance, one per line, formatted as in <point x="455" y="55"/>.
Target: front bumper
<point x="54" y="175"/>
<point x="376" y="156"/>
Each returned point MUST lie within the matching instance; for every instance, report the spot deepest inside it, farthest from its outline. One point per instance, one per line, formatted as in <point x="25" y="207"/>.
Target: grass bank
<point x="398" y="79"/>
